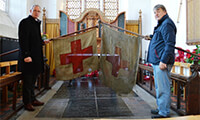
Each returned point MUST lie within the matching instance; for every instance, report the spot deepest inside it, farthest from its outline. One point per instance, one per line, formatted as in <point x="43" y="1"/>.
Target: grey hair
<point x="35" y="6"/>
<point x="160" y="6"/>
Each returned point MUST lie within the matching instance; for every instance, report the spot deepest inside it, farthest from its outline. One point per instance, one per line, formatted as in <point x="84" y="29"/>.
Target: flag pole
<point x="83" y="30"/>
<point x="100" y="22"/>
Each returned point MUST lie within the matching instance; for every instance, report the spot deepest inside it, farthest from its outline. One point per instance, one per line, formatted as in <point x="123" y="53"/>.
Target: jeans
<point x="162" y="86"/>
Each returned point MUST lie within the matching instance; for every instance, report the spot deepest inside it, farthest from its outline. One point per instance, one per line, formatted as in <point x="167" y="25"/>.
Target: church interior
<point x="88" y="87"/>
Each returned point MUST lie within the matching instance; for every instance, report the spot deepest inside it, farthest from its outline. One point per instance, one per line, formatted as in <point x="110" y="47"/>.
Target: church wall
<point x="50" y="6"/>
<point x="17" y="9"/>
<point x="132" y="8"/>
<point x="20" y="9"/>
<point x="123" y="6"/>
<point x="148" y="21"/>
<point x="29" y="6"/>
<point x="61" y="5"/>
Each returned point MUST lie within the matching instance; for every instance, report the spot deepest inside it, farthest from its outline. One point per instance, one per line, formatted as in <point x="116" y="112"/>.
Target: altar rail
<point x="185" y="89"/>
<point x="10" y="78"/>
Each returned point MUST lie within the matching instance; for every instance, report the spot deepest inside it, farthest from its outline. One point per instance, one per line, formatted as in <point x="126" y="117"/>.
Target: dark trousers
<point x="28" y="88"/>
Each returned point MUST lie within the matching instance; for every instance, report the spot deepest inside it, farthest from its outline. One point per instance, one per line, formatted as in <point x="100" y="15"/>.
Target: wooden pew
<point x="187" y="105"/>
<point x="6" y="65"/>
<point x="181" y="69"/>
<point x="9" y="78"/>
<point x="14" y="78"/>
<point x="149" y="86"/>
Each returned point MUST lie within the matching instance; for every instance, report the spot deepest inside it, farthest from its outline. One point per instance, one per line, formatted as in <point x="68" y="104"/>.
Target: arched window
<point x="3" y="5"/>
<point x="109" y="7"/>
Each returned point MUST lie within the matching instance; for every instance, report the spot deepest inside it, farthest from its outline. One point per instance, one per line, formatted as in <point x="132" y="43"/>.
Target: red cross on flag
<point x="75" y="55"/>
<point x="119" y="60"/>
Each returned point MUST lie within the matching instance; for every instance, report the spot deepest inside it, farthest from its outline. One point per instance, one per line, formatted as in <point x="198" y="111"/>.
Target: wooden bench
<point x="9" y="78"/>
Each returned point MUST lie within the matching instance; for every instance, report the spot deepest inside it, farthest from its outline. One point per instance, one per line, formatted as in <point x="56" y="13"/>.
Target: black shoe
<point x="158" y="116"/>
<point x="154" y="111"/>
<point x="29" y="107"/>
<point x="37" y="103"/>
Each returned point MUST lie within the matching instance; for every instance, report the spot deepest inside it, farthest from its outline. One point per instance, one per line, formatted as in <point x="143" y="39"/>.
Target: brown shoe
<point x="29" y="107"/>
<point x="37" y="103"/>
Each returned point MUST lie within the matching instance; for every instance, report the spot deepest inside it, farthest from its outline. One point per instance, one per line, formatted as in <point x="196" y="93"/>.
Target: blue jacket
<point x="161" y="47"/>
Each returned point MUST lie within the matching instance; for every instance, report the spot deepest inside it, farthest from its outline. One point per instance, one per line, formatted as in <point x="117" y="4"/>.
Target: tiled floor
<point x="83" y="99"/>
<point x="88" y="99"/>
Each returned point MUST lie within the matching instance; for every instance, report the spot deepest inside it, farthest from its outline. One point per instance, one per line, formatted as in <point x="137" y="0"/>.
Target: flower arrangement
<point x="44" y="36"/>
<point x="188" y="58"/>
<point x="180" y="57"/>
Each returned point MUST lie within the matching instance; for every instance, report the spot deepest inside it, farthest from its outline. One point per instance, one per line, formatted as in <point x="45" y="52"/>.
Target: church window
<point x="3" y="5"/>
<point x="109" y="7"/>
<point x="73" y="8"/>
<point x="92" y="4"/>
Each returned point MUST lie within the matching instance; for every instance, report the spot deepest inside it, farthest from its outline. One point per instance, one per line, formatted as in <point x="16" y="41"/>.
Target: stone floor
<point x="88" y="99"/>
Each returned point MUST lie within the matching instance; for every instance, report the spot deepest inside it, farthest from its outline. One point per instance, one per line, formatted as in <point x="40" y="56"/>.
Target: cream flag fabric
<point x="119" y="60"/>
<point x="75" y="55"/>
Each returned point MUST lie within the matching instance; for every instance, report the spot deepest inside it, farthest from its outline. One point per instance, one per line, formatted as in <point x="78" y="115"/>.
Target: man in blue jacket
<point x="161" y="55"/>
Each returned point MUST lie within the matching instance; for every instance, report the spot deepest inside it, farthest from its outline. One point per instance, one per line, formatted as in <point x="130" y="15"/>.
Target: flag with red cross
<point x="119" y="60"/>
<point x="75" y="55"/>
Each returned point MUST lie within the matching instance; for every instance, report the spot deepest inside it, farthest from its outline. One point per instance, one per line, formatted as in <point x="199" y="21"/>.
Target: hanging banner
<point x="75" y="55"/>
<point x="119" y="60"/>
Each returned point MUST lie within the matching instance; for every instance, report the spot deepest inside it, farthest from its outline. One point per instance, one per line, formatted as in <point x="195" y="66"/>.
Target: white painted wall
<point x="123" y="6"/>
<point x="132" y="8"/>
<point x="148" y="21"/>
<point x="133" y="14"/>
<point x="61" y="5"/>
<point x="19" y="9"/>
<point x="29" y="3"/>
<point x="50" y="6"/>
<point x="6" y="25"/>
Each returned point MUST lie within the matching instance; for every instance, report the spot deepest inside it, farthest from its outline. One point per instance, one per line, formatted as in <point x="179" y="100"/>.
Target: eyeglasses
<point x="37" y="11"/>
